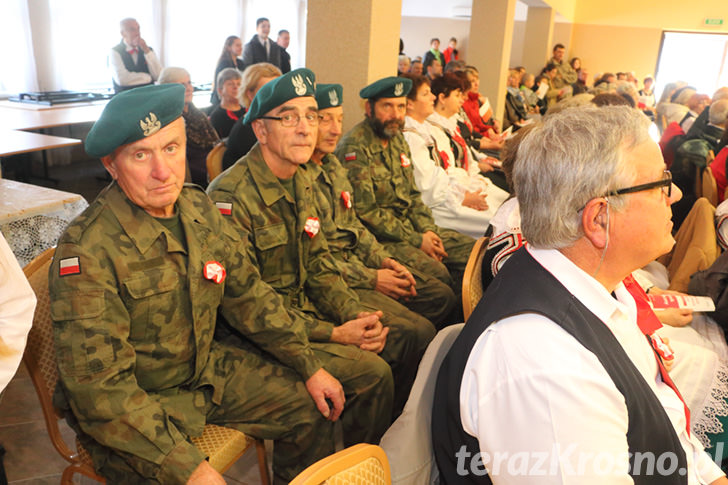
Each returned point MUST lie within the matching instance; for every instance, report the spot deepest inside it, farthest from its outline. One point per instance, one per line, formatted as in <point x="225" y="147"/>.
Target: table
<point x="32" y="218"/>
<point x="14" y="142"/>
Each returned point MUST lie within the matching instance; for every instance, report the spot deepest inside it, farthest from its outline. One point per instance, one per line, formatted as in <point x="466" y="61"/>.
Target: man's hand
<point x="432" y="246"/>
<point x="394" y="280"/>
<point x="475" y="200"/>
<point x="204" y="474"/>
<point x="143" y="45"/>
<point x="488" y="144"/>
<point x="366" y="332"/>
<point x="322" y="385"/>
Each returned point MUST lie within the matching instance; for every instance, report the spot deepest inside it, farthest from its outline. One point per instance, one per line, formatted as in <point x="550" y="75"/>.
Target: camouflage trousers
<point x="409" y="335"/>
<point x="450" y="271"/>
<point x="435" y="300"/>
<point x="262" y="399"/>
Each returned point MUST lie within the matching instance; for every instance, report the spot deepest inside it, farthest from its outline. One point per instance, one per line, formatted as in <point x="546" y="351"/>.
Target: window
<point x="16" y="73"/>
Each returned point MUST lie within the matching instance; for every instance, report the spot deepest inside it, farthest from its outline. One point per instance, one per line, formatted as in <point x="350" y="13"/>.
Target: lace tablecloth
<point x="32" y="218"/>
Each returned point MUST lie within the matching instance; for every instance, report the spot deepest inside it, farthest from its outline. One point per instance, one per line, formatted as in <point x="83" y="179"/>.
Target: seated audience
<point x="554" y="94"/>
<point x="416" y="67"/>
<point x="696" y="104"/>
<point x="559" y="349"/>
<point x="433" y="69"/>
<point x="136" y="285"/>
<point x="480" y="113"/>
<point x="133" y="63"/>
<point x="403" y="65"/>
<point x="272" y="205"/>
<point x="516" y="110"/>
<point x="647" y="95"/>
<point x="232" y="49"/>
<point x="201" y="136"/>
<point x="242" y="138"/>
<point x="580" y="86"/>
<point x="445" y="174"/>
<point x="224" y="115"/>
<point x="17" y="304"/>
<point x="719" y="168"/>
<point x="702" y="120"/>
<point x="575" y="64"/>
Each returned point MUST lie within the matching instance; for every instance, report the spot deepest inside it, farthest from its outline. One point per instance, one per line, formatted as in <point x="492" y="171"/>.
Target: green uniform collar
<point x="268" y="184"/>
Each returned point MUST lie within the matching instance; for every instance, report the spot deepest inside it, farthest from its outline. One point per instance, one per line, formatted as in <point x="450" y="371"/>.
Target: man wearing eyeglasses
<point x="560" y="378"/>
<point x="269" y="198"/>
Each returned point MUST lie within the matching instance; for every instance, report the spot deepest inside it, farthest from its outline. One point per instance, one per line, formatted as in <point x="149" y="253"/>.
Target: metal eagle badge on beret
<point x="299" y="85"/>
<point x="333" y="98"/>
<point x="312" y="226"/>
<point x="398" y="89"/>
<point x="214" y="271"/>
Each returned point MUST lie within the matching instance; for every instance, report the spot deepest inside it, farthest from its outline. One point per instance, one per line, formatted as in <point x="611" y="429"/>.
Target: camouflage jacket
<point x="134" y="319"/>
<point x="356" y="250"/>
<point x="385" y="195"/>
<point x="296" y="263"/>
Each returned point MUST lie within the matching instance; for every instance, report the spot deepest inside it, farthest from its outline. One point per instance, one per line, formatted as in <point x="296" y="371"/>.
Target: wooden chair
<point x="214" y="161"/>
<point x="472" y="278"/>
<point x="362" y="463"/>
<point x="223" y="445"/>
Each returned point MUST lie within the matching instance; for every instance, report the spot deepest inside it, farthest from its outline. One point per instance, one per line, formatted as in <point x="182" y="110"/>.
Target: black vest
<point x="537" y="291"/>
<point x="140" y="66"/>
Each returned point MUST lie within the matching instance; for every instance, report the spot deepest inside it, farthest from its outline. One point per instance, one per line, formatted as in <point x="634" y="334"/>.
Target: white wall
<point x="416" y="33"/>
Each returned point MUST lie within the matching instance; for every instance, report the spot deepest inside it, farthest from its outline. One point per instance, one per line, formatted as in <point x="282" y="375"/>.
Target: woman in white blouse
<point x="451" y="185"/>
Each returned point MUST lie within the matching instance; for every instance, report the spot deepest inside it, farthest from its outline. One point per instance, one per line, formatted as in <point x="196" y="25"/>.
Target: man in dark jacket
<point x="261" y="48"/>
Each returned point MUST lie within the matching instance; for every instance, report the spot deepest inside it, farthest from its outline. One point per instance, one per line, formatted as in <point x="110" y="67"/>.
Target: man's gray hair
<point x="568" y="159"/>
<point x="170" y="75"/>
<point x="718" y="112"/>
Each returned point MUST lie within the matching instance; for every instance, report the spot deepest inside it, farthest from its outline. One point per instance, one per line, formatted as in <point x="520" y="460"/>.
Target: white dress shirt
<point x="17" y="304"/>
<point x="123" y="77"/>
<point x="530" y="387"/>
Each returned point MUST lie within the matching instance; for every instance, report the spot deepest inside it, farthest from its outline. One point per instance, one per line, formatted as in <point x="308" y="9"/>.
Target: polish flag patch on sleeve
<point x="69" y="266"/>
<point x="350" y="156"/>
<point x="225" y="208"/>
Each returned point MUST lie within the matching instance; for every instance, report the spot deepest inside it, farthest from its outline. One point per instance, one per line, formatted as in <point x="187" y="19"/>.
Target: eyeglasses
<point x="665" y="183"/>
<point x="291" y="119"/>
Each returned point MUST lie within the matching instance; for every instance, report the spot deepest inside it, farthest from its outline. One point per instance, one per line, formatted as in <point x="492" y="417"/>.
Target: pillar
<point x="538" y="39"/>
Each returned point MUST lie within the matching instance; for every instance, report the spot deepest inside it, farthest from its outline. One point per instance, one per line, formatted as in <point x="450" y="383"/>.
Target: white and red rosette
<point x="404" y="160"/>
<point x="214" y="271"/>
<point x="346" y="198"/>
<point x="312" y="226"/>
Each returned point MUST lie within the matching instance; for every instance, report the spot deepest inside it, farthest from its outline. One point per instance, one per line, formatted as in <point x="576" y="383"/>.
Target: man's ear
<point x="260" y="130"/>
<point x="109" y="165"/>
<point x="368" y="108"/>
<point x="595" y="222"/>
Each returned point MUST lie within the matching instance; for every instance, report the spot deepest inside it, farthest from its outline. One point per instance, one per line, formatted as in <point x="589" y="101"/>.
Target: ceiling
<point x="462" y="8"/>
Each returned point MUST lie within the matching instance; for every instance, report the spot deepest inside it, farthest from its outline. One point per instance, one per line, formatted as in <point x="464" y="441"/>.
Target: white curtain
<point x="17" y="65"/>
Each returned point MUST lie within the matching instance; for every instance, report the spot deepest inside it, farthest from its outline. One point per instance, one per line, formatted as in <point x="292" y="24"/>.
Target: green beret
<point x="134" y="114"/>
<point x="329" y="95"/>
<point x="294" y="84"/>
<point x="389" y="87"/>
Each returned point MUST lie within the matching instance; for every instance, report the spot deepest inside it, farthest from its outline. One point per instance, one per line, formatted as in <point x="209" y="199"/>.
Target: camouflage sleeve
<point x="258" y="312"/>
<point x="420" y="214"/>
<point x="96" y="365"/>
<point x="357" y="274"/>
<point x="383" y="223"/>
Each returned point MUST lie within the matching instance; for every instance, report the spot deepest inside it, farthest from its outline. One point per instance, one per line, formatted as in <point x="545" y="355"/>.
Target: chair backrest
<point x="214" y="161"/>
<point x="40" y="353"/>
<point x="362" y="463"/>
<point x="408" y="442"/>
<point x="472" y="278"/>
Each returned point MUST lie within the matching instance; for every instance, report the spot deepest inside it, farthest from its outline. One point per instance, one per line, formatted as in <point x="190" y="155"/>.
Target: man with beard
<point x="385" y="196"/>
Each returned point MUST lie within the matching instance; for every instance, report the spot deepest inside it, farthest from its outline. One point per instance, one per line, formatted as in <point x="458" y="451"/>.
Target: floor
<point x="30" y="458"/>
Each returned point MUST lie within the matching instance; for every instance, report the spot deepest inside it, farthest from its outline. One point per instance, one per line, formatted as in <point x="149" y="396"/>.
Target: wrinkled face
<point x="387" y="116"/>
<point x="424" y="103"/>
<point x="130" y="33"/>
<point x="559" y="53"/>
<point x="289" y="145"/>
<point x="263" y="29"/>
<point x="237" y="48"/>
<point x="643" y="230"/>
<point x="151" y="171"/>
<point x="330" y="127"/>
<point x="450" y="104"/>
<point x="229" y="90"/>
<point x="284" y="40"/>
<point x="416" y="68"/>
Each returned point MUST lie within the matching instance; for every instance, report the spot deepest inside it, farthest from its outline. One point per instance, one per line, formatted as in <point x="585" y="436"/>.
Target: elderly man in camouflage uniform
<point x="365" y="264"/>
<point x="385" y="196"/>
<point x="136" y="285"/>
<point x="268" y="196"/>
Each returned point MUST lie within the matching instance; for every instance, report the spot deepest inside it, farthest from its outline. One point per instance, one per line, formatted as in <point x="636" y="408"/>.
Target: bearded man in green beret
<point x="136" y="286"/>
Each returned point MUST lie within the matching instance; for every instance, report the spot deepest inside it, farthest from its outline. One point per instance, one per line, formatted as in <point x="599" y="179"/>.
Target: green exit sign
<point x="713" y="21"/>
